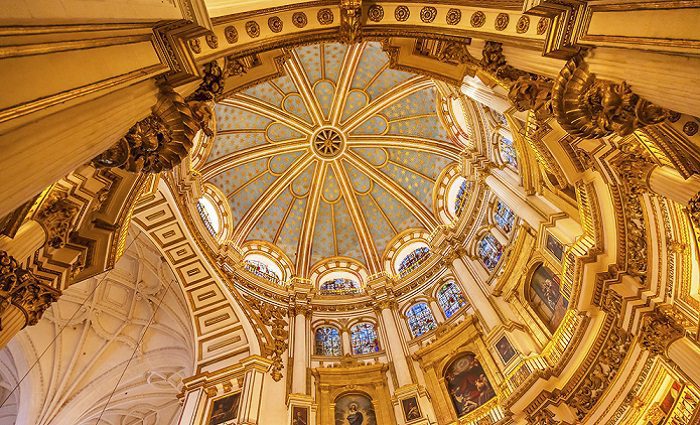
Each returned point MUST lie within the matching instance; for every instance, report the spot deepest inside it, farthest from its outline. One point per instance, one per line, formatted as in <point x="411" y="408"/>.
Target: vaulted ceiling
<point x="335" y="158"/>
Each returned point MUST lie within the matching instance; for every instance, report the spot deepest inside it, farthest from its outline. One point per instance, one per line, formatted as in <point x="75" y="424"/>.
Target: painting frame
<point x="222" y="401"/>
<point x="506" y="351"/>
<point x="554" y="246"/>
<point x="411" y="409"/>
<point x="354" y="408"/>
<point x="300" y="415"/>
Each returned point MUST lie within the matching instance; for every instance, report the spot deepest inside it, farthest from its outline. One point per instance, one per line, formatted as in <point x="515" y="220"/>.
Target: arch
<point x="363" y="338"/>
<point x="420" y="319"/>
<point x="546" y="297"/>
<point x="327" y="341"/>
<point x="467" y="384"/>
<point x="411" y="257"/>
<point x="450" y="298"/>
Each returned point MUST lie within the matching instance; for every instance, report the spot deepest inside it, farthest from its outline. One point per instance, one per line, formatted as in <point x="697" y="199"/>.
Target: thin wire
<point x="134" y="352"/>
<point x="53" y="341"/>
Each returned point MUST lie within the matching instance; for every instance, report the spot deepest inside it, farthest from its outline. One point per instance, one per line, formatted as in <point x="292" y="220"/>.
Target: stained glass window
<point x="363" y="338"/>
<point x="208" y="214"/>
<point x="263" y="270"/>
<point x="462" y="196"/>
<point x="340" y="286"/>
<point x="508" y="154"/>
<point x="489" y="251"/>
<point x="413" y="260"/>
<point x="420" y="319"/>
<point x="501" y="118"/>
<point x="327" y="341"/>
<point x="504" y="217"/>
<point x="450" y="299"/>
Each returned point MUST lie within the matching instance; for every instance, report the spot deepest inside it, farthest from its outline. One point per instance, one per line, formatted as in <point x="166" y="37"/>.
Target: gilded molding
<point x="22" y="289"/>
<point x="157" y="143"/>
<point x="350" y="21"/>
<point x="590" y="108"/>
<point x="658" y="332"/>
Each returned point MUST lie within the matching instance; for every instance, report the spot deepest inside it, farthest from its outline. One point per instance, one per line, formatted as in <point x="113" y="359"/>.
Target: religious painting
<point x="300" y="415"/>
<point x="224" y="410"/>
<point x="555" y="247"/>
<point x="546" y="297"/>
<point x="467" y="384"/>
<point x="354" y="409"/>
<point x="505" y="349"/>
<point x="411" y="410"/>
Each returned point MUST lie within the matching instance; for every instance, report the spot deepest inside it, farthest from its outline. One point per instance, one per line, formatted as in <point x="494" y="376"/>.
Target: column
<point x="475" y="89"/>
<point x="667" y="182"/>
<point x="29" y="238"/>
<point x="522" y="208"/>
<point x="255" y="369"/>
<point x="191" y="407"/>
<point x="475" y="294"/>
<point x="685" y="353"/>
<point x="301" y="352"/>
<point x="393" y="342"/>
<point x="437" y="311"/>
<point x="499" y="235"/>
<point x="347" y="343"/>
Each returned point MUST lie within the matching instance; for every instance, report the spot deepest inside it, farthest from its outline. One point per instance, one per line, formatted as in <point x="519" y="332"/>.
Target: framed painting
<point x="555" y="247"/>
<point x="300" y="415"/>
<point x="224" y="409"/>
<point x="354" y="409"/>
<point x="505" y="350"/>
<point x="411" y="409"/>
<point x="467" y="384"/>
<point x="546" y="297"/>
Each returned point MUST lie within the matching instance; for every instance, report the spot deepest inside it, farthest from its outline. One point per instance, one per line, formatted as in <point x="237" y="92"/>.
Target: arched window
<point x="546" y="297"/>
<point x="363" y="338"/>
<point x="209" y="215"/>
<point x="420" y="319"/>
<point x="462" y="196"/>
<point x="327" y="340"/>
<point x="450" y="298"/>
<point x="489" y="251"/>
<point x="340" y="286"/>
<point x="467" y="384"/>
<point x="504" y="217"/>
<point x="507" y="150"/>
<point x="413" y="260"/>
<point x="263" y="270"/>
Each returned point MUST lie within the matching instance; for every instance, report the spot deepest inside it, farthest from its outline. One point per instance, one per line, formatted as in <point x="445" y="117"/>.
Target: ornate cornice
<point x="22" y="289"/>
<point x="658" y="332"/>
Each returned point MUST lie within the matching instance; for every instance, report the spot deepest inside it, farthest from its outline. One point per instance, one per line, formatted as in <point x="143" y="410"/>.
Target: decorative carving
<point x="299" y="19"/>
<point x="587" y="107"/>
<point x="454" y="16"/>
<point x="694" y="209"/>
<point x="57" y="216"/>
<point x="478" y="19"/>
<point x="494" y="61"/>
<point x="350" y="21"/>
<point x="523" y="24"/>
<point x="602" y="373"/>
<point x="22" y="289"/>
<point x="231" y="34"/>
<point x="158" y="142"/>
<point x="543" y="417"/>
<point x="210" y="90"/>
<point x="402" y="13"/>
<point x="375" y="13"/>
<point x="532" y="94"/>
<point x="212" y="41"/>
<point x="275" y="24"/>
<point x="195" y="45"/>
<point x="455" y="52"/>
<point x="278" y="337"/>
<point x="542" y="25"/>
<point x="253" y="29"/>
<point x="502" y="20"/>
<point x="325" y="16"/>
<point x="658" y="331"/>
<point x="690" y="128"/>
<point x="428" y="14"/>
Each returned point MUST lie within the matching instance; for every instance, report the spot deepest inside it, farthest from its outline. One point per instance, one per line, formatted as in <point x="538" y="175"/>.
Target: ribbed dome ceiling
<point x="335" y="158"/>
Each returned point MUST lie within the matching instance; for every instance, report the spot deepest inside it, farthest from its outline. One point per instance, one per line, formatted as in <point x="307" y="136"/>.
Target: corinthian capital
<point x="658" y="331"/>
<point x="22" y="289"/>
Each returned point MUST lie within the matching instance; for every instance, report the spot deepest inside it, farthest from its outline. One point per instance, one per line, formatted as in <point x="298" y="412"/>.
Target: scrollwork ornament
<point x="454" y="16"/>
<point x="231" y="34"/>
<point x="325" y="16"/>
<point x="275" y="24"/>
<point x="299" y="19"/>
<point x="402" y="13"/>
<point x="375" y="13"/>
<point x="587" y="107"/>
<point x="658" y="332"/>
<point x="478" y="19"/>
<point x="253" y="29"/>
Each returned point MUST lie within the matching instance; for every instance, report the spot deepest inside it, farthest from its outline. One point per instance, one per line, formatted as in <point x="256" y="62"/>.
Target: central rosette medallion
<point x="328" y="143"/>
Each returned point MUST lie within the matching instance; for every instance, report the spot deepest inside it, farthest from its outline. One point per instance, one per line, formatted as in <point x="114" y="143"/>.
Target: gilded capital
<point x="22" y="289"/>
<point x="659" y="331"/>
<point x="201" y="102"/>
<point x="350" y="21"/>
